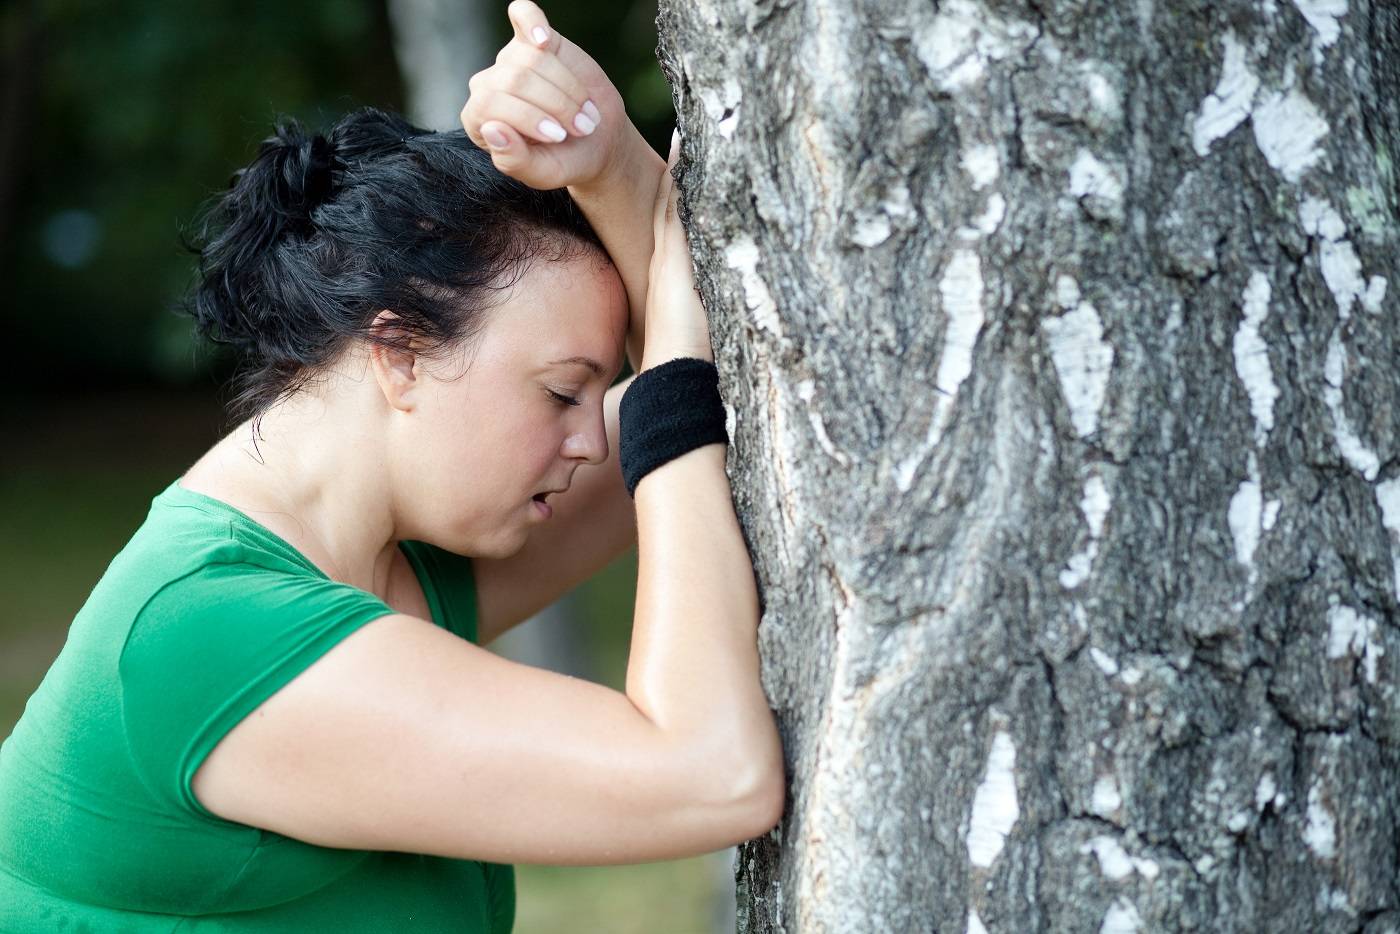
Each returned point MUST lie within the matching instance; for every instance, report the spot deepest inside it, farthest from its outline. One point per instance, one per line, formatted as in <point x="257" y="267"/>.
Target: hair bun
<point x="318" y="159"/>
<point x="307" y="169"/>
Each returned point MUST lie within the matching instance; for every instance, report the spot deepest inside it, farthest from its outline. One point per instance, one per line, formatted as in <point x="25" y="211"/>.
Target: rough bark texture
<point x="1060" y="339"/>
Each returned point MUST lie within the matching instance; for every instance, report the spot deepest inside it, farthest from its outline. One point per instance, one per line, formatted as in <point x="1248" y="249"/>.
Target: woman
<point x="273" y="713"/>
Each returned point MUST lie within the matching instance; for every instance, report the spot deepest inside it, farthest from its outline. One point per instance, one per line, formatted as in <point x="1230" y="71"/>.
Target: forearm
<point x="619" y="208"/>
<point x="694" y="664"/>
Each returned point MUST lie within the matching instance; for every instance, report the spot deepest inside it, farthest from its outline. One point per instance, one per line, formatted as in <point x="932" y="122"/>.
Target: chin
<point x="503" y="547"/>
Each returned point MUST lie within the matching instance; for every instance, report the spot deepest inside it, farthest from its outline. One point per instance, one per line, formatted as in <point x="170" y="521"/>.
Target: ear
<point x="398" y="372"/>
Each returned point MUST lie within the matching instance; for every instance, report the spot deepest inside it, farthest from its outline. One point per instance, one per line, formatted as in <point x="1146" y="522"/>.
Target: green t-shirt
<point x="201" y="617"/>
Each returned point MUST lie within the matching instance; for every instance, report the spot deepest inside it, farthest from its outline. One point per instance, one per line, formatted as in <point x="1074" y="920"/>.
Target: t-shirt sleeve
<point x="209" y="647"/>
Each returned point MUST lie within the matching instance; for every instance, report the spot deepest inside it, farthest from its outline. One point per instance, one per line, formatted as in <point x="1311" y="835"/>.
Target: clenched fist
<point x="545" y="111"/>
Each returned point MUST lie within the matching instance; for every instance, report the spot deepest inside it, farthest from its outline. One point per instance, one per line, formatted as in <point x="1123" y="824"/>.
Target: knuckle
<point x="516" y="79"/>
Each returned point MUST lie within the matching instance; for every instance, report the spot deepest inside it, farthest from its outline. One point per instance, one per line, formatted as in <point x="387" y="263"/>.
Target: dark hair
<point x="319" y="233"/>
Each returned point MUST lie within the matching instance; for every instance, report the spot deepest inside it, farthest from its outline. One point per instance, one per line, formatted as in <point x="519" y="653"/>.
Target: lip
<point x="544" y="509"/>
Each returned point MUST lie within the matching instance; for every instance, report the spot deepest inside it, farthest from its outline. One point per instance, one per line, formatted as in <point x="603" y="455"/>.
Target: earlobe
<point x="395" y="369"/>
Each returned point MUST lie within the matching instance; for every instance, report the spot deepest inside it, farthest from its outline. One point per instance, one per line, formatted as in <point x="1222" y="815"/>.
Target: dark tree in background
<point x="1060" y="339"/>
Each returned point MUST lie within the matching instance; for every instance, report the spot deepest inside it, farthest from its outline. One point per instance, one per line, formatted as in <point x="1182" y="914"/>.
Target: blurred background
<point x="116" y="121"/>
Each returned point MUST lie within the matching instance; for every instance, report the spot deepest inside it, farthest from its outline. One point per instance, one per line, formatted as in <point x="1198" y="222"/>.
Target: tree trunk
<point x="439" y="45"/>
<point x="1060" y="343"/>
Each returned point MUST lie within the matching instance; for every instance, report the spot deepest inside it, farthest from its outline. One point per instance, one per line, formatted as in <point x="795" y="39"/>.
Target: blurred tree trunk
<point x="440" y="44"/>
<point x="1060" y="340"/>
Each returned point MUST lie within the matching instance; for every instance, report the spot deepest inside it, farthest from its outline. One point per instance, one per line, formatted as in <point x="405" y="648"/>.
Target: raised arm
<point x="619" y="206"/>
<point x="551" y="118"/>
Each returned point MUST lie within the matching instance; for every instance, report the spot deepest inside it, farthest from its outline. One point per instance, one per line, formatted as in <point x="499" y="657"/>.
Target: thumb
<point x="508" y="149"/>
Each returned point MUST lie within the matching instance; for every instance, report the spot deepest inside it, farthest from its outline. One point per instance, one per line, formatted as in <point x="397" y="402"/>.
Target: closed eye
<point x="565" y="400"/>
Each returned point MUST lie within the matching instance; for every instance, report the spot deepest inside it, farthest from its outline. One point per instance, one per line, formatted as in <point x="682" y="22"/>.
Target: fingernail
<point x="539" y="35"/>
<point x="585" y="126"/>
<point x="592" y="110"/>
<point x="553" y="130"/>
<point x="495" y="138"/>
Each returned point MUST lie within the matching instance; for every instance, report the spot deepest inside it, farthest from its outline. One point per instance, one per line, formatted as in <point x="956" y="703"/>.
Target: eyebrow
<point x="589" y="362"/>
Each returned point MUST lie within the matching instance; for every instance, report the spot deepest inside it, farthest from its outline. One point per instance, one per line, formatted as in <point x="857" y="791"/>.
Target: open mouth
<point x="539" y="497"/>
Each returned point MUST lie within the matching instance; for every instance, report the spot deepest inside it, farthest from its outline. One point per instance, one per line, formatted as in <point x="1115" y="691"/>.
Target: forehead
<point x="564" y="308"/>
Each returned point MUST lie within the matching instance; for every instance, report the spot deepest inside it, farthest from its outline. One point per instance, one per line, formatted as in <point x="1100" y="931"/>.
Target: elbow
<point x="763" y="801"/>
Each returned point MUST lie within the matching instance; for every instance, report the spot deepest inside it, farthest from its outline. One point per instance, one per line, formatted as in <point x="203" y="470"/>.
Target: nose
<point x="591" y="443"/>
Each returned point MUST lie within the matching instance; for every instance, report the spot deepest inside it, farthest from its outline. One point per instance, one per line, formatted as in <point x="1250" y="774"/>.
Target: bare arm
<point x="619" y="206"/>
<point x="694" y="664"/>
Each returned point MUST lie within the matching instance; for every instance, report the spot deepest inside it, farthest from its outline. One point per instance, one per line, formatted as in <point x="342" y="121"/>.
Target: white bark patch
<point x="873" y="227"/>
<point x="1121" y="918"/>
<point x="1114" y="861"/>
<point x="1252" y="357"/>
<point x="1267" y="791"/>
<point x="1245" y="517"/>
<point x="1229" y="104"/>
<point x="974" y="923"/>
<point x="1320" y="832"/>
<point x="1097" y="185"/>
<point x="1331" y="898"/>
<point x="1066" y="292"/>
<point x="1373" y="296"/>
<point x="1361" y="458"/>
<point x="806" y="390"/>
<point x="990" y="219"/>
<point x="961" y="291"/>
<point x="1094" y="504"/>
<point x="980" y="162"/>
<point x="1270" y="514"/>
<point x="870" y="230"/>
<point x="1105" y="661"/>
<point x="1103" y="94"/>
<point x="1287" y="128"/>
<point x="963" y="38"/>
<point x="722" y="106"/>
<point x="1322" y="15"/>
<point x="742" y="256"/>
<point x="1082" y="361"/>
<point x="1353" y="634"/>
<point x="1341" y="268"/>
<point x="994" y="808"/>
<point x="1106" y="799"/>
<point x="1388" y="496"/>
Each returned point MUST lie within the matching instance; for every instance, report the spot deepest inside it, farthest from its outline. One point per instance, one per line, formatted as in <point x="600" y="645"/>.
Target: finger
<point x="550" y="67"/>
<point x="531" y="26"/>
<point x="525" y="118"/>
<point x="533" y="88"/>
<point x="513" y="153"/>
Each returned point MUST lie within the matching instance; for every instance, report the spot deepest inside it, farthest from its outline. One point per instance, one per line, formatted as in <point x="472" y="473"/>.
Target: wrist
<point x="631" y="164"/>
<point x="654" y="357"/>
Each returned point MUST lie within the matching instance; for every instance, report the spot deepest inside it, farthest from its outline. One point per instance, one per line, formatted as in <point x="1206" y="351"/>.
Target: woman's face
<point x="490" y="439"/>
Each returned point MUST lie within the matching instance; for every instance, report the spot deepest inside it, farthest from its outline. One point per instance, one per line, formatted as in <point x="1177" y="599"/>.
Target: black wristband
<point x="666" y="411"/>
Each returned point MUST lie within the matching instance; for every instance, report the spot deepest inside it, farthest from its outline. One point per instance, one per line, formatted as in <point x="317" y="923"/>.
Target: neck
<point x="323" y="479"/>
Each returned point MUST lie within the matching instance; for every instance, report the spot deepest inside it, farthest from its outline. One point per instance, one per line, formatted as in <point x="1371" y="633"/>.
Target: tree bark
<point x="1060" y="343"/>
